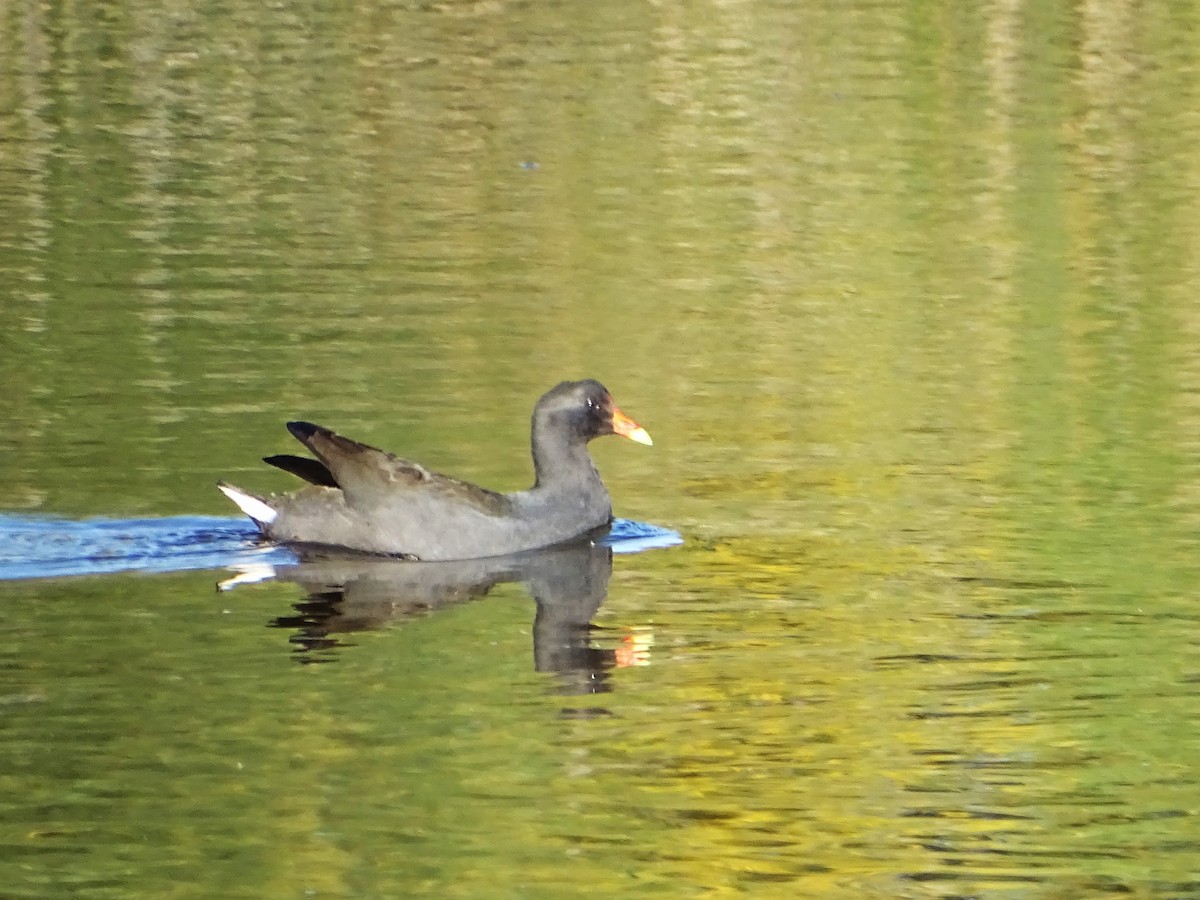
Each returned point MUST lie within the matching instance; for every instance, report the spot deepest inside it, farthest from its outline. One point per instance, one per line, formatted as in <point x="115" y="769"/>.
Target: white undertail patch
<point x="253" y="507"/>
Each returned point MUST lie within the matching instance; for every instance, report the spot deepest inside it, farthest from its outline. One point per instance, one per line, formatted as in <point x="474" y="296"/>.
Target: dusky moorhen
<point x="364" y="499"/>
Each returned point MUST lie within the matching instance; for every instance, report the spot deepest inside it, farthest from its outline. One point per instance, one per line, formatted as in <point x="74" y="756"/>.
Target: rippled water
<point x="906" y="296"/>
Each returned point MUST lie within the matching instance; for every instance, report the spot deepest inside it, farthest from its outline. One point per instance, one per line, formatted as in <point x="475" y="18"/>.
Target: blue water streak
<point x="48" y="547"/>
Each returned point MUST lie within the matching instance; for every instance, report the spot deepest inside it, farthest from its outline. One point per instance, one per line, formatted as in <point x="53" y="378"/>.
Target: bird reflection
<point x="346" y="594"/>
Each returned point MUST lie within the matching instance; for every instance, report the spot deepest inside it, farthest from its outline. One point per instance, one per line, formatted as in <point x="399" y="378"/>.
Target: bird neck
<point x="561" y="461"/>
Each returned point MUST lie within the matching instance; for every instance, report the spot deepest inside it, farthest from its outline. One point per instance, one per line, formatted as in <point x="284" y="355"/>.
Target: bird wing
<point x="370" y="477"/>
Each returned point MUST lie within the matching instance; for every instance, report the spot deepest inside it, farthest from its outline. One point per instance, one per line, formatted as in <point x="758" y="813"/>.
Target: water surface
<point x="906" y="296"/>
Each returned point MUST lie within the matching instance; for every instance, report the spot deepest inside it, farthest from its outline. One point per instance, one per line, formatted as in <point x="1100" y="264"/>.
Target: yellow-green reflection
<point x="906" y="296"/>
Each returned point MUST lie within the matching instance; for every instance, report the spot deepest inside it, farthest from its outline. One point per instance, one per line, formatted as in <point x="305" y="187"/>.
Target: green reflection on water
<point x="906" y="296"/>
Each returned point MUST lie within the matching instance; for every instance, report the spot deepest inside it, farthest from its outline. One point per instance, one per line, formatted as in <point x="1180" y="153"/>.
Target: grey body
<point x="397" y="507"/>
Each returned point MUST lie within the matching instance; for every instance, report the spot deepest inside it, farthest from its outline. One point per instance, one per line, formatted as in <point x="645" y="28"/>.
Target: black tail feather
<point x="302" y="431"/>
<point x="311" y="470"/>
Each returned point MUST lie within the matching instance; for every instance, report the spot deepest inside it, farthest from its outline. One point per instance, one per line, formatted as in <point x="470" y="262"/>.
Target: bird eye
<point x="591" y="402"/>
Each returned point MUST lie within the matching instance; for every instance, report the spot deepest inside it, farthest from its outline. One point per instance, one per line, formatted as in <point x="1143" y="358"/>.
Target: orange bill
<point x="626" y="427"/>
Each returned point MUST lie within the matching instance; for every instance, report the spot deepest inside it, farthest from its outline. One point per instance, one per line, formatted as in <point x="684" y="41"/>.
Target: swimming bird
<point x="364" y="499"/>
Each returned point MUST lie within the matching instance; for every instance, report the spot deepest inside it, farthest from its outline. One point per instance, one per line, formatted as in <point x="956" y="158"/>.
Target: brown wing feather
<point x="368" y="475"/>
